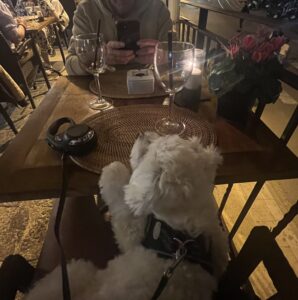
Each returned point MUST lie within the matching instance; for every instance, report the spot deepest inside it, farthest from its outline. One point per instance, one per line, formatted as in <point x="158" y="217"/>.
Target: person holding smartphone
<point x="151" y="17"/>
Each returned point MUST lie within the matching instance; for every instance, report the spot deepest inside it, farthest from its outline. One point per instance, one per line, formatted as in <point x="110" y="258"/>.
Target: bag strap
<point x="65" y="280"/>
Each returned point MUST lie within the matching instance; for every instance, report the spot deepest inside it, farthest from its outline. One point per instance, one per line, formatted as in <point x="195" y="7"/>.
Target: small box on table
<point x="140" y="81"/>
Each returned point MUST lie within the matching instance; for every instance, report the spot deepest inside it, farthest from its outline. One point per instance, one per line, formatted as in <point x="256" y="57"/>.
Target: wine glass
<point x="90" y="49"/>
<point x="172" y="69"/>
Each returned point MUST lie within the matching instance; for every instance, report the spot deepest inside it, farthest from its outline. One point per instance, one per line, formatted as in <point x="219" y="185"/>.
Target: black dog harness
<point x="177" y="245"/>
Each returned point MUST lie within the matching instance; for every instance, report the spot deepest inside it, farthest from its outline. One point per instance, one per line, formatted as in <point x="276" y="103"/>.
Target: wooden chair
<point x="10" y="93"/>
<point x="84" y="234"/>
<point x="21" y="63"/>
<point x="261" y="246"/>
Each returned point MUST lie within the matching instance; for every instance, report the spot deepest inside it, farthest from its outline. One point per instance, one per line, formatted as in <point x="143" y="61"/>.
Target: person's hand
<point x="116" y="56"/>
<point x="22" y="22"/>
<point x="145" y="54"/>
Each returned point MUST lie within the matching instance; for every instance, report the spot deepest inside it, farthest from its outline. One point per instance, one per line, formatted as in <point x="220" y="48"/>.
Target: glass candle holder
<point x="195" y="80"/>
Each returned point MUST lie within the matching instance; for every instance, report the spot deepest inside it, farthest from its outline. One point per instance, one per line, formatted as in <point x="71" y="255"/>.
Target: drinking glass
<point x="172" y="69"/>
<point x="90" y="51"/>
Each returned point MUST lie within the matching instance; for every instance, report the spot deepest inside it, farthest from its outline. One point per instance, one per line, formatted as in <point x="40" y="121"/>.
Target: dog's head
<point x="170" y="175"/>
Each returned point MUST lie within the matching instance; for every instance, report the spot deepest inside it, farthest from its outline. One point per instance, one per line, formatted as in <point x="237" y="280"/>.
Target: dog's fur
<point x="173" y="179"/>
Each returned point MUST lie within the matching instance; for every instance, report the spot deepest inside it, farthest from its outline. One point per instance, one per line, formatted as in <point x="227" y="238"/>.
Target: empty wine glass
<point x="172" y="69"/>
<point x="90" y="51"/>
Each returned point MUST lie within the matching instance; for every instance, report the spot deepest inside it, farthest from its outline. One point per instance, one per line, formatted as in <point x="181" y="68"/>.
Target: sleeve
<point x="58" y="11"/>
<point x="164" y="23"/>
<point x="8" y="25"/>
<point x="80" y="26"/>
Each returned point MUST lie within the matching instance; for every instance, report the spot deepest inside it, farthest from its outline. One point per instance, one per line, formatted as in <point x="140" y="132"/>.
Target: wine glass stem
<point x="171" y="104"/>
<point x="96" y="78"/>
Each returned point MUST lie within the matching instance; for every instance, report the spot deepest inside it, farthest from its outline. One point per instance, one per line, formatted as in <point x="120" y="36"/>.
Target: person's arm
<point x="114" y="54"/>
<point x="21" y="29"/>
<point x="80" y="26"/>
<point x="58" y="12"/>
<point x="164" y="24"/>
<point x="12" y="29"/>
<point x="145" y="54"/>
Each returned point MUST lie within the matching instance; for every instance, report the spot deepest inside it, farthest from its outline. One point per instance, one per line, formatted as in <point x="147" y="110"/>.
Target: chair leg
<point x="65" y="38"/>
<point x="28" y="93"/>
<point x="36" y="53"/>
<point x="26" y="88"/>
<point x="8" y="119"/>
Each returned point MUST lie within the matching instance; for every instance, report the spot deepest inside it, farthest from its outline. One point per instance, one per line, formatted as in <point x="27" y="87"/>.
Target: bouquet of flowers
<point x="249" y="66"/>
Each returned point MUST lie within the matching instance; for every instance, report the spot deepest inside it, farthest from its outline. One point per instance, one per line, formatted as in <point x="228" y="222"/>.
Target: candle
<point x="195" y="79"/>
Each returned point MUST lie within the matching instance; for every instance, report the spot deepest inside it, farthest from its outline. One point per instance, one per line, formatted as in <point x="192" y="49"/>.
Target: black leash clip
<point x="178" y="258"/>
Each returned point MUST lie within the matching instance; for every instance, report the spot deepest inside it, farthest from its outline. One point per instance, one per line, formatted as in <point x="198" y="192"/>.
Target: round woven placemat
<point x="118" y="128"/>
<point x="113" y="85"/>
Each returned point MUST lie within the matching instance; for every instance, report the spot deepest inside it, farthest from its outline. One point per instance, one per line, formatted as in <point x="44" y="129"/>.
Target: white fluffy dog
<point x="172" y="179"/>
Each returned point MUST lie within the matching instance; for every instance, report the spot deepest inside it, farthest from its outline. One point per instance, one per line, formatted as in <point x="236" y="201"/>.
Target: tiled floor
<point x="23" y="224"/>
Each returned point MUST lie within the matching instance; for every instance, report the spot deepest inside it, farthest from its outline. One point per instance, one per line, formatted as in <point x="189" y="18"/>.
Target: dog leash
<point x="179" y="256"/>
<point x="65" y="281"/>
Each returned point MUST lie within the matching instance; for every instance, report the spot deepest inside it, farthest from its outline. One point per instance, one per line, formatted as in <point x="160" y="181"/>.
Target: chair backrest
<point x="9" y="60"/>
<point x="21" y="63"/>
<point x="261" y="246"/>
<point x="9" y="90"/>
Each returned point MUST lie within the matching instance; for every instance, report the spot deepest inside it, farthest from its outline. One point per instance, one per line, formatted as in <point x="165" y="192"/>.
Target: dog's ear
<point x="213" y="160"/>
<point x="140" y="147"/>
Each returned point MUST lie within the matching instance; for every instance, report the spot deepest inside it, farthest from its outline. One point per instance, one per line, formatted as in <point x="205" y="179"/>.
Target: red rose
<point x="256" y="56"/>
<point x="267" y="51"/>
<point x="249" y="42"/>
<point x="234" y="50"/>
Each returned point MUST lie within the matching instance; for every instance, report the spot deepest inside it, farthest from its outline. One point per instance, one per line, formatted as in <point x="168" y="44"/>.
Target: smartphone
<point x="128" y="32"/>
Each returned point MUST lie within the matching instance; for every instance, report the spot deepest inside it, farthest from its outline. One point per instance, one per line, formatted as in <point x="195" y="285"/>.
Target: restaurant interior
<point x="225" y="77"/>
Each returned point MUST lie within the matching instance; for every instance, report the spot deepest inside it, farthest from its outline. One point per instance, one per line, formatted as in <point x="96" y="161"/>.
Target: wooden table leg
<point x="59" y="43"/>
<point x="36" y="53"/>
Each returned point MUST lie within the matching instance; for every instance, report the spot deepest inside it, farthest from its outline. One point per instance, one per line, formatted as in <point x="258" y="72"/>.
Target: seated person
<point x="54" y="8"/>
<point x="46" y="37"/>
<point x="12" y="28"/>
<point x="154" y="20"/>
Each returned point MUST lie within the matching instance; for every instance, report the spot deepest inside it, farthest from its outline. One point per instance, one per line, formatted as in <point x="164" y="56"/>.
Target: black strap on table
<point x="65" y="281"/>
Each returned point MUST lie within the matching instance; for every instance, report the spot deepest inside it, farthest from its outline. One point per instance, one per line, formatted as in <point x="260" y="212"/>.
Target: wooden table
<point x="33" y="25"/>
<point x="29" y="169"/>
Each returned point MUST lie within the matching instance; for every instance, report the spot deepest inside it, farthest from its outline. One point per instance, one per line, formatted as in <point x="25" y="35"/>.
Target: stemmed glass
<point x="90" y="51"/>
<point x="172" y="69"/>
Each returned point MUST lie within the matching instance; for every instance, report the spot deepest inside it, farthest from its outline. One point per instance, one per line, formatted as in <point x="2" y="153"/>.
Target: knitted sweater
<point x="153" y="16"/>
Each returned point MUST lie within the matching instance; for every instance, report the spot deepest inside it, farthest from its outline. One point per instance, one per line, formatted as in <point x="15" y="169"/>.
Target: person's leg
<point x="43" y="44"/>
<point x="15" y="274"/>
